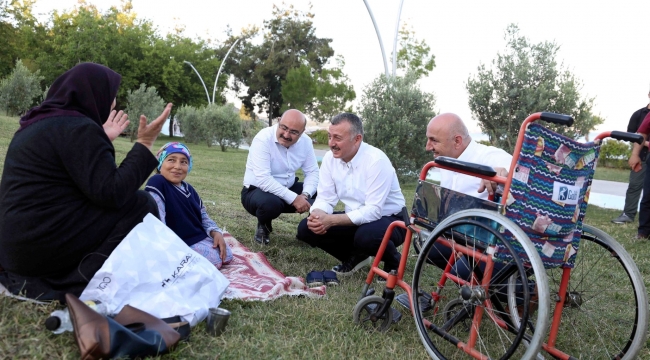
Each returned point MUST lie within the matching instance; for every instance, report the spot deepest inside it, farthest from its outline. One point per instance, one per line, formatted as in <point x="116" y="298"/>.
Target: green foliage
<point x="525" y="79"/>
<point x="395" y="113"/>
<point x="413" y="55"/>
<point x="615" y="153"/>
<point x="320" y="136"/>
<point x="319" y="95"/>
<point x="250" y="128"/>
<point x="212" y="124"/>
<point x="289" y="42"/>
<point x="222" y="125"/>
<point x="143" y="101"/>
<point x="18" y="90"/>
<point x="191" y="124"/>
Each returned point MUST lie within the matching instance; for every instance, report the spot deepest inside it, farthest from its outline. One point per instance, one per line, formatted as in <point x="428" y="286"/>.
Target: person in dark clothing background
<point x="64" y="203"/>
<point x="635" y="184"/>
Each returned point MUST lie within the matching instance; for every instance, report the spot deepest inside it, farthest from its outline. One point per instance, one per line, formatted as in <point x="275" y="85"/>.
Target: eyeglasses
<point x="285" y="129"/>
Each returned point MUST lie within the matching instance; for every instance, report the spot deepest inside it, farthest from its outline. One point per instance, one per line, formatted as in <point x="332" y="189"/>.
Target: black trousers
<point x="76" y="278"/>
<point x="644" y="208"/>
<point x="343" y="242"/>
<point x="265" y="206"/>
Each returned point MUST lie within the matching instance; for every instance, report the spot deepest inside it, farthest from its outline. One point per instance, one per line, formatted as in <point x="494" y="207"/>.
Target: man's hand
<point x="147" y="134"/>
<point x="491" y="186"/>
<point x="635" y="162"/>
<point x="219" y="242"/>
<point x="317" y="222"/>
<point x="301" y="204"/>
<point x="114" y="125"/>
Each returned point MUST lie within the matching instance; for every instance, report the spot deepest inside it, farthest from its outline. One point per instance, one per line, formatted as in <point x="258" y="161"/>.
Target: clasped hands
<point x="319" y="222"/>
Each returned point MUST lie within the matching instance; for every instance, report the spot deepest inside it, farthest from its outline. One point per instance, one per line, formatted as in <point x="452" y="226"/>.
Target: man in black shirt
<point x="636" y="178"/>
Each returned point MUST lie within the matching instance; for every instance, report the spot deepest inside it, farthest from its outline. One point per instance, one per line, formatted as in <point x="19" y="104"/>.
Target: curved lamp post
<point x="200" y="78"/>
<point x="381" y="43"/>
<point x="221" y="66"/>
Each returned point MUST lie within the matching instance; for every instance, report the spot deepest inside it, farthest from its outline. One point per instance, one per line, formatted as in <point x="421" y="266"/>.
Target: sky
<point x="603" y="43"/>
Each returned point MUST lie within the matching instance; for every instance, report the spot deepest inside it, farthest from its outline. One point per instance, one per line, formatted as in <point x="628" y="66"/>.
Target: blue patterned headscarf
<point x="170" y="148"/>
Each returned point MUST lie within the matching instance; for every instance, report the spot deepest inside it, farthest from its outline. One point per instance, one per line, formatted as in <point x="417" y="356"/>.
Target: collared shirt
<point x="479" y="154"/>
<point x="367" y="185"/>
<point x="272" y="167"/>
<point x="637" y="118"/>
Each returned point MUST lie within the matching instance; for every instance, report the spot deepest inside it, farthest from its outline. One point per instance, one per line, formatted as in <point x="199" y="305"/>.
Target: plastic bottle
<point x="59" y="321"/>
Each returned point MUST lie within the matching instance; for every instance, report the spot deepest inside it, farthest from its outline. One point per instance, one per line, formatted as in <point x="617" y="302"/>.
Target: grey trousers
<point x="633" y="193"/>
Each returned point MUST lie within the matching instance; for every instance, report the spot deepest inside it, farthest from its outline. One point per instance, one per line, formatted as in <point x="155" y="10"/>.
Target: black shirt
<point x="637" y="119"/>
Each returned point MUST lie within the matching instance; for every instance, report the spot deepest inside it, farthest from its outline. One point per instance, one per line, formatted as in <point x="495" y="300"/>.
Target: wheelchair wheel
<point x="471" y="320"/>
<point x="364" y="314"/>
<point x="605" y="315"/>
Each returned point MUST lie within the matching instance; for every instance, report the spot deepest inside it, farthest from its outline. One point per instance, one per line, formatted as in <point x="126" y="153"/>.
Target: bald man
<point x="270" y="183"/>
<point x="447" y="135"/>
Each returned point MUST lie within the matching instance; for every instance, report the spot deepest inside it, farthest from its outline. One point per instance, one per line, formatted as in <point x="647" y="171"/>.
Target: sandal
<point x="315" y="278"/>
<point x="329" y="277"/>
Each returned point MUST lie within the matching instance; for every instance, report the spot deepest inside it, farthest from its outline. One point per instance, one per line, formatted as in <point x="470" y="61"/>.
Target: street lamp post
<point x="381" y="43"/>
<point x="221" y="66"/>
<point x="200" y="78"/>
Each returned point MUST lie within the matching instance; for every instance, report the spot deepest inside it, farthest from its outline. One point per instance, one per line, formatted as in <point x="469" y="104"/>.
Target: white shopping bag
<point x="153" y="270"/>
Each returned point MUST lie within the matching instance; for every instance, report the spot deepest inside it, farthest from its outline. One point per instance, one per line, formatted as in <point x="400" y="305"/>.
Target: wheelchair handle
<point x="556" y="118"/>
<point x="626" y="136"/>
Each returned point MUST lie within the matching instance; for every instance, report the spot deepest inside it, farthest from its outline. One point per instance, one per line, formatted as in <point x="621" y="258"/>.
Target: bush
<point x="395" y="113"/>
<point x="320" y="136"/>
<point x="615" y="153"/>
<point x="18" y="90"/>
<point x="222" y="126"/>
<point x="142" y="101"/>
<point x="191" y="124"/>
<point x="250" y="128"/>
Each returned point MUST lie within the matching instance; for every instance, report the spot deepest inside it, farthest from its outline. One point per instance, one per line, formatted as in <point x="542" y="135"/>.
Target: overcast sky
<point x="603" y="43"/>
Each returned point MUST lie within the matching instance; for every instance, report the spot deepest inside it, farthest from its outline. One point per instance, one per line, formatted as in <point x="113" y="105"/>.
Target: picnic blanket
<point x="252" y="277"/>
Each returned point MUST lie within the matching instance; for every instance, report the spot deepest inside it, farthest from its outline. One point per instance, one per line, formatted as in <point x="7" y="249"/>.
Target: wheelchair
<point x="517" y="276"/>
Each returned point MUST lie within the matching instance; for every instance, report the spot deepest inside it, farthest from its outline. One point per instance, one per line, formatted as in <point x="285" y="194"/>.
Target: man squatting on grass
<point x="270" y="183"/>
<point x="362" y="177"/>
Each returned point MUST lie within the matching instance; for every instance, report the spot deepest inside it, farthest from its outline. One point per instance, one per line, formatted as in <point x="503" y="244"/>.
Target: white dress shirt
<point x="367" y="185"/>
<point x="479" y="154"/>
<point x="272" y="167"/>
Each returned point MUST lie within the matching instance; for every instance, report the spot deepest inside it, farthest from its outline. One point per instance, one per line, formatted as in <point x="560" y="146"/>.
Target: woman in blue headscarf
<point x="64" y="203"/>
<point x="181" y="207"/>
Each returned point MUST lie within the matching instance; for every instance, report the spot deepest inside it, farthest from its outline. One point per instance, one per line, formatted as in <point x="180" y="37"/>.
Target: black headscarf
<point x="86" y="90"/>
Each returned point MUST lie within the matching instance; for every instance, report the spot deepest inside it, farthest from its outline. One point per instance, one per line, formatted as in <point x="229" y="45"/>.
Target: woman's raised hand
<point x="147" y="133"/>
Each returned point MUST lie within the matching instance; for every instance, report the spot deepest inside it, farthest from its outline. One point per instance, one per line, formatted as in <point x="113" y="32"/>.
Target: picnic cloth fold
<point x="252" y="278"/>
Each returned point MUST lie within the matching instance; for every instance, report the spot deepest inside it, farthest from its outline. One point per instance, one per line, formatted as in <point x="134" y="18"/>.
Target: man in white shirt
<point x="448" y="136"/>
<point x="362" y="177"/>
<point x="270" y="183"/>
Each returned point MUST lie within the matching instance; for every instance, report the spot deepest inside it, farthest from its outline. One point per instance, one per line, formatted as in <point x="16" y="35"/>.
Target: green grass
<point x="612" y="174"/>
<point x="287" y="328"/>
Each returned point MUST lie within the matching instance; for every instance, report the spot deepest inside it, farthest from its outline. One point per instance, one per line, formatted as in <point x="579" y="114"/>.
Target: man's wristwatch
<point x="306" y="194"/>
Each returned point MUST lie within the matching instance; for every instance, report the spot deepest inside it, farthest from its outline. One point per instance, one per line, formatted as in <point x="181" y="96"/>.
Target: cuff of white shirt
<point x="289" y="196"/>
<point x="356" y="217"/>
<point x="321" y="206"/>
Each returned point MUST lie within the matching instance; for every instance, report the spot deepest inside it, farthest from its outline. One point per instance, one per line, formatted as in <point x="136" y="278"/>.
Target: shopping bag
<point x="153" y="270"/>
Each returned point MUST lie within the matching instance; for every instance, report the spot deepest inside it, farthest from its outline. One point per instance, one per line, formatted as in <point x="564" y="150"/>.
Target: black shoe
<point x="352" y="265"/>
<point x="262" y="235"/>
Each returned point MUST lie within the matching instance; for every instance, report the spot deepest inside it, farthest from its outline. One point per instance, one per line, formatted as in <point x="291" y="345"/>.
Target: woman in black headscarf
<point x="64" y="203"/>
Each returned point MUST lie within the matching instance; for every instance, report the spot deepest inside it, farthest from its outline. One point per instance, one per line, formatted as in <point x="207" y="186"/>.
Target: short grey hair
<point x="356" y="127"/>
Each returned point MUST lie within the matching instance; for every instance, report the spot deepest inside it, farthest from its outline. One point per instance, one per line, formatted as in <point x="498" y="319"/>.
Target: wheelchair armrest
<point x="465" y="166"/>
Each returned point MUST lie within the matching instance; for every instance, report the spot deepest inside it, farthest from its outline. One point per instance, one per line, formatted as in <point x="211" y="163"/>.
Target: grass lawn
<point x="287" y="328"/>
<point x="612" y="174"/>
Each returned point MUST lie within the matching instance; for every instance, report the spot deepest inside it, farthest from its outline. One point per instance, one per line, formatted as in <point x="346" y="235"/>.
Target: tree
<point x="319" y="95"/>
<point x="413" y="55"/>
<point x="223" y="125"/>
<point x="143" y="101"/>
<point x="18" y="90"/>
<point x="191" y="124"/>
<point x="289" y="42"/>
<point x="526" y="79"/>
<point x="395" y="113"/>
